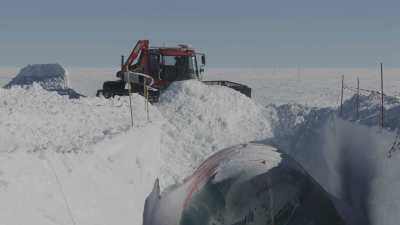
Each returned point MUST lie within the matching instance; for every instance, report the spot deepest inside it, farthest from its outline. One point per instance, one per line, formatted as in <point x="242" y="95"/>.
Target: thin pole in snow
<point x="382" y="109"/>
<point x="130" y="98"/>
<point x="341" y="97"/>
<point x="146" y="96"/>
<point x="358" y="98"/>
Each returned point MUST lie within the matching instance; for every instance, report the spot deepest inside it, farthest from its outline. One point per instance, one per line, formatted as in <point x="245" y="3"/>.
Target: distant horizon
<point x="12" y="71"/>
<point x="208" y="67"/>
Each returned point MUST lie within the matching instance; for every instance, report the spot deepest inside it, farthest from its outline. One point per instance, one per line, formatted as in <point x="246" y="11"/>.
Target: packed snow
<point x="34" y="119"/>
<point x="350" y="157"/>
<point x="203" y="119"/>
<point x="104" y="187"/>
<point x="64" y="159"/>
<point x="74" y="156"/>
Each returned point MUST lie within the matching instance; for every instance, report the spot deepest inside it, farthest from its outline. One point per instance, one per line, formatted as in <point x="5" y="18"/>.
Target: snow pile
<point x="351" y="162"/>
<point x="350" y="157"/>
<point x="34" y="119"/>
<point x="359" y="171"/>
<point x="203" y="119"/>
<point x="285" y="118"/>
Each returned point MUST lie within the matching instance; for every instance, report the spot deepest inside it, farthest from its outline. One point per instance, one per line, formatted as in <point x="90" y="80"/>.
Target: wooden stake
<point x="358" y="99"/>
<point x="130" y="99"/>
<point x="382" y="110"/>
<point x="341" y="97"/>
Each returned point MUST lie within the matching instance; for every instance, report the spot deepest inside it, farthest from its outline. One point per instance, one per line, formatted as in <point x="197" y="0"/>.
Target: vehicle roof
<point x="173" y="51"/>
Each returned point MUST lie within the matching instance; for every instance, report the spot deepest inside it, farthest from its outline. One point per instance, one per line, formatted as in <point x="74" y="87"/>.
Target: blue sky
<point x="305" y="33"/>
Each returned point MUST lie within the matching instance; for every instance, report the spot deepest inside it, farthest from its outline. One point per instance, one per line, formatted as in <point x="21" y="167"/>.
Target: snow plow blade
<point x="114" y="88"/>
<point x="246" y="184"/>
<point x="244" y="89"/>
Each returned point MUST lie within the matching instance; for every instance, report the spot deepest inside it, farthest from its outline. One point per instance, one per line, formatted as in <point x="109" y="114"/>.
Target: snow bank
<point x="34" y="119"/>
<point x="359" y="170"/>
<point x="84" y="149"/>
<point x="203" y="119"/>
<point x="350" y="161"/>
<point x="349" y="156"/>
<point x="108" y="187"/>
<point x="105" y="167"/>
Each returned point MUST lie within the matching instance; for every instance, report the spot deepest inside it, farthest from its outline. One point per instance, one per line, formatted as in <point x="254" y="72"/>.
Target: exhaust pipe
<point x="122" y="62"/>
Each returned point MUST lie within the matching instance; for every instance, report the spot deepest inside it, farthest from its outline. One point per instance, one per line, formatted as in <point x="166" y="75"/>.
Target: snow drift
<point x="203" y="119"/>
<point x="106" y="167"/>
<point x="348" y="156"/>
<point x="34" y="119"/>
<point x="105" y="187"/>
<point x="67" y="159"/>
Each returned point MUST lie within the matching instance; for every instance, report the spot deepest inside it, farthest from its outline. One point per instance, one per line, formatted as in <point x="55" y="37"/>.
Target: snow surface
<point x="204" y="119"/>
<point x="34" y="119"/>
<point x="352" y="159"/>
<point x="105" y="187"/>
<point x="105" y="167"/>
<point x="91" y="146"/>
<point x="312" y="87"/>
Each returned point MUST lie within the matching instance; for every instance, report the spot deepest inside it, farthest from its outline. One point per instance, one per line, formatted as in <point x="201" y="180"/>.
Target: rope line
<point x="350" y="88"/>
<point x="61" y="190"/>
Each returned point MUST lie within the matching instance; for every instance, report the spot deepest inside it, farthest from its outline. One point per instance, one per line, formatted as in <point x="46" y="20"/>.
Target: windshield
<point x="178" y="68"/>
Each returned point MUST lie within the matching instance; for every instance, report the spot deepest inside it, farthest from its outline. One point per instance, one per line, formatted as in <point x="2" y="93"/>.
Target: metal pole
<point x="381" y="95"/>
<point x="358" y="99"/>
<point x="147" y="104"/>
<point x="341" y="97"/>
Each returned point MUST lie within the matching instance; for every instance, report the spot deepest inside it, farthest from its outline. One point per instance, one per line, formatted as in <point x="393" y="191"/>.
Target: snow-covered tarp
<point x="52" y="77"/>
<point x="251" y="183"/>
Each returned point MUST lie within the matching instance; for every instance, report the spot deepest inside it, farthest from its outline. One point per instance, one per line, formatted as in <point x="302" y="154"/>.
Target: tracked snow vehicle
<point x="149" y="70"/>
